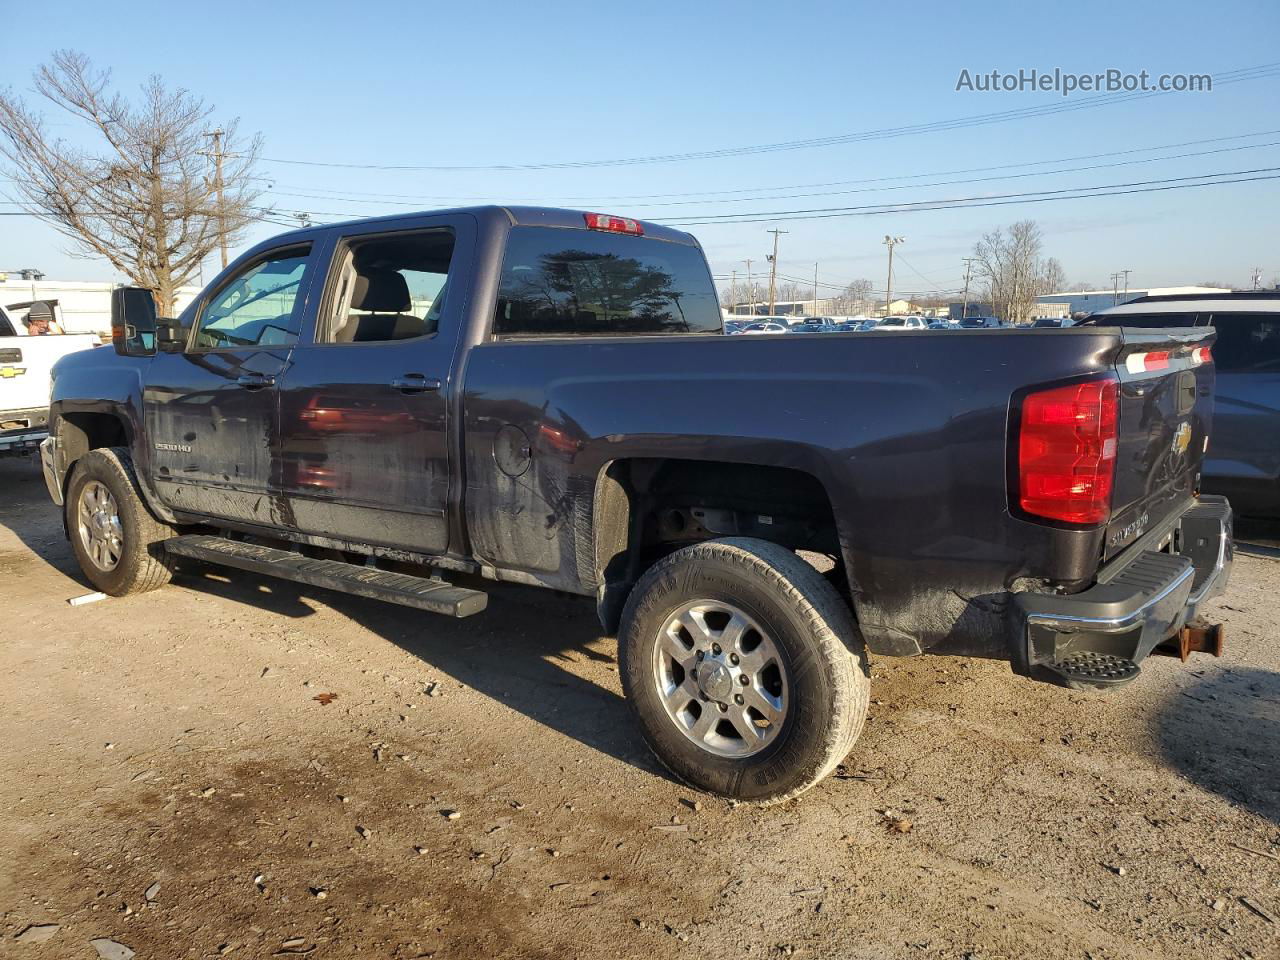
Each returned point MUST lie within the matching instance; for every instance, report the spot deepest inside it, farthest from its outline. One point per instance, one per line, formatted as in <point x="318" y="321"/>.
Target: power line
<point x="905" y="186"/>
<point x="991" y="200"/>
<point x="1259" y="72"/>
<point x="342" y="194"/>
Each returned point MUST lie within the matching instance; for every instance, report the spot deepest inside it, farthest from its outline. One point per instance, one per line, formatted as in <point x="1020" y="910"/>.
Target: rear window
<point x="559" y="282"/>
<point x="1247" y="342"/>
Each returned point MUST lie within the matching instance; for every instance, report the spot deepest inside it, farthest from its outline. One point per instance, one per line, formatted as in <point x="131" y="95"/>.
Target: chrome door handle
<point x="256" y="381"/>
<point x="415" y="383"/>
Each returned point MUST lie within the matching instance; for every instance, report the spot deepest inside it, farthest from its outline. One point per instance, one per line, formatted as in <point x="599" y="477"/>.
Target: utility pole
<point x="890" y="242"/>
<point x="1115" y="289"/>
<point x="751" y="289"/>
<point x="216" y="153"/>
<point x="1126" y="284"/>
<point x="773" y="266"/>
<point x="733" y="293"/>
<point x="968" y="269"/>
<point x="815" y="289"/>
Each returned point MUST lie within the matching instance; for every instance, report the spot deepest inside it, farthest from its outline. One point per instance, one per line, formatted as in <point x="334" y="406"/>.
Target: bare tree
<point x="744" y="294"/>
<point x="856" y="297"/>
<point x="142" y="197"/>
<point x="1053" y="279"/>
<point x="1011" y="272"/>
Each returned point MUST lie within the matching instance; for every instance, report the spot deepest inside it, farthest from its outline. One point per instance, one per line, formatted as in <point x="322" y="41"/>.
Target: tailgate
<point x="1166" y="408"/>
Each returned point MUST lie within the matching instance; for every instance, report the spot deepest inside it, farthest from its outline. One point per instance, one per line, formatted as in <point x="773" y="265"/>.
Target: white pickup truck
<point x="25" y="363"/>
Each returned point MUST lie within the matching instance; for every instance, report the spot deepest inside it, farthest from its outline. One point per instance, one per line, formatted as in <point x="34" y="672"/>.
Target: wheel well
<point x="82" y="432"/>
<point x="648" y="508"/>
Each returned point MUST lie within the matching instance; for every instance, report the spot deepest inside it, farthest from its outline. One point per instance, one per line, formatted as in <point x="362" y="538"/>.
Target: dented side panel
<point x="906" y="433"/>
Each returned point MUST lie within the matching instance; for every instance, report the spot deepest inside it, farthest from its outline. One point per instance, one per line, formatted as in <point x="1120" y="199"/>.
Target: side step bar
<point x="423" y="593"/>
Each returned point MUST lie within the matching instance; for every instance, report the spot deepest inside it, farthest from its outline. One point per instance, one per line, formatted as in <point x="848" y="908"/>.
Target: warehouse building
<point x="1090" y="301"/>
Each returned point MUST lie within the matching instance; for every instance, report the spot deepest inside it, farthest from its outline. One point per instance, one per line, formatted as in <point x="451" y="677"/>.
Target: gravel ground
<point x="173" y="780"/>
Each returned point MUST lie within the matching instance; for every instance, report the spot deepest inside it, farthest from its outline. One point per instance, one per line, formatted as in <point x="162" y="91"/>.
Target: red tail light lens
<point x="602" y="221"/>
<point x="1067" y="451"/>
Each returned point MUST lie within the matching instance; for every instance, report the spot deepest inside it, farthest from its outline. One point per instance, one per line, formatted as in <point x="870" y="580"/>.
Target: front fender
<point x="101" y="383"/>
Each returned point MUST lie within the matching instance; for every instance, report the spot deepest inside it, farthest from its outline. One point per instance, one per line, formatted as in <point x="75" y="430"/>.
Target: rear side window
<point x="562" y="282"/>
<point x="1247" y="342"/>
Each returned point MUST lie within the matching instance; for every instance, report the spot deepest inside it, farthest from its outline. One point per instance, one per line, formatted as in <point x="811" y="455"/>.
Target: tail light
<point x="1067" y="451"/>
<point x="602" y="221"/>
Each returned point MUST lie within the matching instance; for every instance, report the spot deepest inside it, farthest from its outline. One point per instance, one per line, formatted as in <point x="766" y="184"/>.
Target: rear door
<point x="1166" y="410"/>
<point x="364" y="405"/>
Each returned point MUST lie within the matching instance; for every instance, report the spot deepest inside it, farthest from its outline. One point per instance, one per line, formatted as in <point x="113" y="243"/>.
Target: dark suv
<point x="1243" y="459"/>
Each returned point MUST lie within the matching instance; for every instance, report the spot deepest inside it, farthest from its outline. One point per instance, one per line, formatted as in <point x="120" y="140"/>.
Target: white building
<point x="1089" y="301"/>
<point x="85" y="305"/>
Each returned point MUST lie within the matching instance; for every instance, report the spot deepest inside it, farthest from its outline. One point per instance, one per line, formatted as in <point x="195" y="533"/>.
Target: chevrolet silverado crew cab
<point x="547" y="397"/>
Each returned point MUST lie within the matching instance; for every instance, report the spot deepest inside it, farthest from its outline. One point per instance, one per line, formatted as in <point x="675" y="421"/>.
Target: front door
<point x="364" y="452"/>
<point x="211" y="410"/>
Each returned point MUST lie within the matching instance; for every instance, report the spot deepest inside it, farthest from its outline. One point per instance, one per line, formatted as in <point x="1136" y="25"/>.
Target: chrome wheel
<point x="721" y="678"/>
<point x="98" y="522"/>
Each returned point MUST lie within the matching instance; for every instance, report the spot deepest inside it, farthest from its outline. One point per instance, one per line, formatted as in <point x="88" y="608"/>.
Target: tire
<point x="740" y="589"/>
<point x="134" y="560"/>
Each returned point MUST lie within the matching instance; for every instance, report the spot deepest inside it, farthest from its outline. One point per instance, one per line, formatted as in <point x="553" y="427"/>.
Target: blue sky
<point x="521" y="83"/>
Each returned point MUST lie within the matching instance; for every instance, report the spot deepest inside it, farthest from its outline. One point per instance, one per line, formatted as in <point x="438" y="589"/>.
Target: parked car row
<point x="897" y="323"/>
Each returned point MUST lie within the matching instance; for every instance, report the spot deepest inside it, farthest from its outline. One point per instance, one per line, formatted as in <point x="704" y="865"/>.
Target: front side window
<point x="1247" y="342"/>
<point x="257" y="307"/>
<point x="563" y="282"/>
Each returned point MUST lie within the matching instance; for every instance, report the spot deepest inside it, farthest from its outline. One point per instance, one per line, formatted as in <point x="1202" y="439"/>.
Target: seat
<point x="383" y="295"/>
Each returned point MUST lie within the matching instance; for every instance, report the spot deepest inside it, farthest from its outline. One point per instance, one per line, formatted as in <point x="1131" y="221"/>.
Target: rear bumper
<point x="22" y="430"/>
<point x="1141" y="599"/>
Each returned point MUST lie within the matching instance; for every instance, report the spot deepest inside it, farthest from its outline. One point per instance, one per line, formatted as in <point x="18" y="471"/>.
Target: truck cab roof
<point x="514" y="215"/>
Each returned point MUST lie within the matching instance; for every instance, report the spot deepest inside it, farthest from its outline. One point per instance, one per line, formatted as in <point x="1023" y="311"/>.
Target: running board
<point x="423" y="593"/>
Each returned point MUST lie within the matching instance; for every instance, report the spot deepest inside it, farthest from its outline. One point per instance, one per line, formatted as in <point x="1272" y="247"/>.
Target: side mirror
<point x="133" y="322"/>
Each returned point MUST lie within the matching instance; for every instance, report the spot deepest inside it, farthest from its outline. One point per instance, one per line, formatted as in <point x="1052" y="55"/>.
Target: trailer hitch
<point x="1204" y="638"/>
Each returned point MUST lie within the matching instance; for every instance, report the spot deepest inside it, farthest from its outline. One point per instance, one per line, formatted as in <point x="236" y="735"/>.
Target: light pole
<point x="890" y="242"/>
<point x="773" y="266"/>
<point x="968" y="268"/>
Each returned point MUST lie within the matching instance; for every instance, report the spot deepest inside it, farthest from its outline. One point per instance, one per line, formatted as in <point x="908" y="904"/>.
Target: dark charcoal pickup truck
<point x="546" y="397"/>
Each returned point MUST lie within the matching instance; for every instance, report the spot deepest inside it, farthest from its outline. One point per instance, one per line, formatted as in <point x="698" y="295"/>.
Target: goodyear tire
<point x="745" y="669"/>
<point x="116" y="540"/>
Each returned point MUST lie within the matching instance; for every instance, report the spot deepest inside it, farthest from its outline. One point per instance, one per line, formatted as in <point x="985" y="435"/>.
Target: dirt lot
<point x="176" y="739"/>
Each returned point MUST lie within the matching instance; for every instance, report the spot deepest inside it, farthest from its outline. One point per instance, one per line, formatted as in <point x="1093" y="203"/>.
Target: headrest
<point x="380" y="291"/>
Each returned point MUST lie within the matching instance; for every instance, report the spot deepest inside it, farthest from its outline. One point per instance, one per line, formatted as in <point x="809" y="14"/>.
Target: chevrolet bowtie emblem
<point x="1182" y="439"/>
<point x="8" y="373"/>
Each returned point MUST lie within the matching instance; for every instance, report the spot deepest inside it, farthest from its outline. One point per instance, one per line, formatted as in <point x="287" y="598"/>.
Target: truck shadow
<point x="520" y="651"/>
<point x="27" y="512"/>
<point x="1223" y="734"/>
